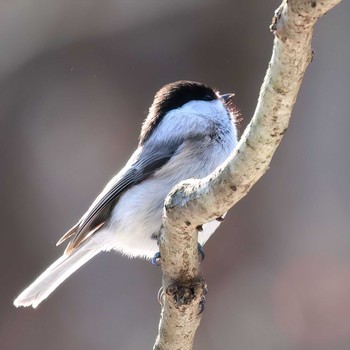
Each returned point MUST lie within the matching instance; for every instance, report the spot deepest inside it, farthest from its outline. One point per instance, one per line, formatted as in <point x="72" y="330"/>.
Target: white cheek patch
<point x="193" y="118"/>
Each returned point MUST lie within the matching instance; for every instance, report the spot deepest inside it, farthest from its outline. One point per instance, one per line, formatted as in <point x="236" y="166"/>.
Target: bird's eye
<point x="208" y="98"/>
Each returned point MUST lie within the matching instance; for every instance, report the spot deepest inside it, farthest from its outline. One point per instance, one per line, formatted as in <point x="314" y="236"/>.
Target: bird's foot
<point x="156" y="259"/>
<point x="201" y="252"/>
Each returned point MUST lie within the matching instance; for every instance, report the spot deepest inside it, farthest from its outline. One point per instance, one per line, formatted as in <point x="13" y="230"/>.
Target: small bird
<point x="189" y="131"/>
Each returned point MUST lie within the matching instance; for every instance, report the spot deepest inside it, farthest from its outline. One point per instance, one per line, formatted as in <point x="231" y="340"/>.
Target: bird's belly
<point x="135" y="231"/>
<point x="137" y="217"/>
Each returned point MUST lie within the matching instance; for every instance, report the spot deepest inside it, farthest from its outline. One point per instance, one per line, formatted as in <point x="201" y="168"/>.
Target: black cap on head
<point x="172" y="96"/>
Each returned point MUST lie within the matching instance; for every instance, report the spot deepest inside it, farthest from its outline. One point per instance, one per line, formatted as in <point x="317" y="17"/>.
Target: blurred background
<point x="76" y="81"/>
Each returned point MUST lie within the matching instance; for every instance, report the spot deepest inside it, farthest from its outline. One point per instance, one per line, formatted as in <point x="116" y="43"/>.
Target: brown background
<point x="76" y="80"/>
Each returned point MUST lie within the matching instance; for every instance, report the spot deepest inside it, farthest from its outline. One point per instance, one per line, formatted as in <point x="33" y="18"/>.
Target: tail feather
<point x="55" y="274"/>
<point x="68" y="234"/>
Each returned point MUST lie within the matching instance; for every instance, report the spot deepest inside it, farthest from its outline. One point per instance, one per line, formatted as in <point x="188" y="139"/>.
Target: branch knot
<point x="183" y="293"/>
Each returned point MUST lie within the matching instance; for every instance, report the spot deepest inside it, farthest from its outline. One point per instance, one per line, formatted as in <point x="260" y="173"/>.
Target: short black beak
<point x="227" y="97"/>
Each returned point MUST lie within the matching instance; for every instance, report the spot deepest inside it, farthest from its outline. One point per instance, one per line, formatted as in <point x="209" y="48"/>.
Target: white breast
<point x="138" y="214"/>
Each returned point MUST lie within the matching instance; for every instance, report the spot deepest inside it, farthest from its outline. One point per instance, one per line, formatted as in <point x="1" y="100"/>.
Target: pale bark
<point x="194" y="202"/>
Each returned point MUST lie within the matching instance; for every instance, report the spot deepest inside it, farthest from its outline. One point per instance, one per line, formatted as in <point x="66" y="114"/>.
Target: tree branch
<point x="194" y="202"/>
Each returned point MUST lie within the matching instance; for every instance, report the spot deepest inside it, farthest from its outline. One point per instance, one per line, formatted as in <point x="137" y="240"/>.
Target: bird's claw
<point x="156" y="259"/>
<point x="201" y="252"/>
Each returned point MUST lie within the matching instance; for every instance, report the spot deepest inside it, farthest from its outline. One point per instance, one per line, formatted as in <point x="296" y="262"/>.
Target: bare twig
<point x="195" y="202"/>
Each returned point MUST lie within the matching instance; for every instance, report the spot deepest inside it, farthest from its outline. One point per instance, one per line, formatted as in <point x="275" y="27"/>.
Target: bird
<point x="189" y="131"/>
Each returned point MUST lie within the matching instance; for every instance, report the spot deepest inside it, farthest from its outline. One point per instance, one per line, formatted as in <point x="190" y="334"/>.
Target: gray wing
<point x="145" y="165"/>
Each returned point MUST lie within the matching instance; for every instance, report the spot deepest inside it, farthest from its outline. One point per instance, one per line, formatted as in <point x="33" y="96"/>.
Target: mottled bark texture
<point x="194" y="202"/>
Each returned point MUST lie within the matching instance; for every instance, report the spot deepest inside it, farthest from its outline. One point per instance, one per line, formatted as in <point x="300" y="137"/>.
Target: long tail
<point x="55" y="274"/>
